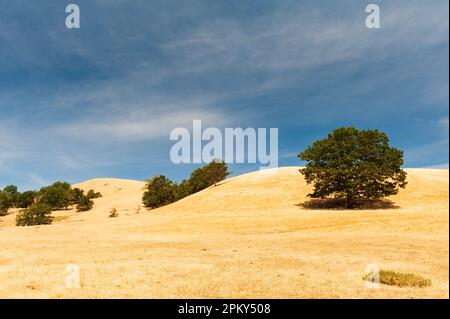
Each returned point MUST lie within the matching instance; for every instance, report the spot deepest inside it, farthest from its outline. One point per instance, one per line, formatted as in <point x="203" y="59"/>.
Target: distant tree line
<point x="36" y="206"/>
<point x="161" y="191"/>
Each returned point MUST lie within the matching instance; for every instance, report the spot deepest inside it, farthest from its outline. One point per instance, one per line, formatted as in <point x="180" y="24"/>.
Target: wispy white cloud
<point x="289" y="45"/>
<point x="122" y="80"/>
<point x="144" y="127"/>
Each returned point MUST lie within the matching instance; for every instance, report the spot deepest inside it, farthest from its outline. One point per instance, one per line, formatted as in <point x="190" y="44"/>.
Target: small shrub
<point x="91" y="194"/>
<point x="113" y="213"/>
<point x="398" y="279"/>
<point x="84" y="204"/>
<point x="76" y="195"/>
<point x="36" y="214"/>
<point x="3" y="210"/>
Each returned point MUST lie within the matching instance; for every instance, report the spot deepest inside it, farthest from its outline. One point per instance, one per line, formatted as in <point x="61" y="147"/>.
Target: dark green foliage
<point x="26" y="199"/>
<point x="36" y="214"/>
<point x="6" y="203"/>
<point x="57" y="195"/>
<point x="207" y="176"/>
<point x="76" y="196"/>
<point x="183" y="189"/>
<point x="198" y="181"/>
<point x="215" y="172"/>
<point x="353" y="164"/>
<point x="84" y="204"/>
<point x="38" y="205"/>
<point x="11" y="190"/>
<point x="91" y="194"/>
<point x="10" y="198"/>
<point x="160" y="191"/>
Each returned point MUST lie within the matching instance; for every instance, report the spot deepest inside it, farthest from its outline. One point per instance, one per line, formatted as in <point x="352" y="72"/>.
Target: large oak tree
<point x="353" y="164"/>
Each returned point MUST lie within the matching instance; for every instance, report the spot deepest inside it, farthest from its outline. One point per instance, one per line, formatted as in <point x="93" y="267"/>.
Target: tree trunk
<point x="349" y="201"/>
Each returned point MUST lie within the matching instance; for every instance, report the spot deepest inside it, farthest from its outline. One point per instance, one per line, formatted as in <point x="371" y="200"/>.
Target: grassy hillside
<point x="247" y="237"/>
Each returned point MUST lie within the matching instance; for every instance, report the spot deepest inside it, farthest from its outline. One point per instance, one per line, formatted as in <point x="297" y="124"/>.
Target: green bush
<point x="76" y="194"/>
<point x="215" y="172"/>
<point x="11" y="191"/>
<point x="160" y="191"/>
<point x="5" y="203"/>
<point x="10" y="197"/>
<point x="198" y="181"/>
<point x="84" y="204"/>
<point x="183" y="189"/>
<point x="208" y="175"/>
<point x="57" y="195"/>
<point x="113" y="213"/>
<point x="26" y="199"/>
<point x="36" y="214"/>
<point x="91" y="194"/>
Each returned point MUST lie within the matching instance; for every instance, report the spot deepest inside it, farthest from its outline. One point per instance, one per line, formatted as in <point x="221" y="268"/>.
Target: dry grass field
<point x="247" y="237"/>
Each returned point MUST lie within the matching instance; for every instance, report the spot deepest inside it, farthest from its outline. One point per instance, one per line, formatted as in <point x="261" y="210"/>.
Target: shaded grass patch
<point x="337" y="203"/>
<point x="393" y="278"/>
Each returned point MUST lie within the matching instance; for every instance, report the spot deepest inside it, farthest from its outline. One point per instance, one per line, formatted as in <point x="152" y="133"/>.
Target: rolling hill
<point x="248" y="237"/>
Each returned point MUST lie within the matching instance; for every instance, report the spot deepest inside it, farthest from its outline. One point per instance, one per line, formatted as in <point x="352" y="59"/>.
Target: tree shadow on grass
<point x="340" y="204"/>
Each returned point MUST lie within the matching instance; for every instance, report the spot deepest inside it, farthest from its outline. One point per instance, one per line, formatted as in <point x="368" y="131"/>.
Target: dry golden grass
<point x="248" y="237"/>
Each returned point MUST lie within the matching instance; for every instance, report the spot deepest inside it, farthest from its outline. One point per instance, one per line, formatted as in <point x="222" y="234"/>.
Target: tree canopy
<point x="353" y="164"/>
<point x="162" y="191"/>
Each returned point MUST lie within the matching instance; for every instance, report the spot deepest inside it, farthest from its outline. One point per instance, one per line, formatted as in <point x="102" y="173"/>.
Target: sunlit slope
<point x="246" y="237"/>
<point x="123" y="195"/>
<point x="271" y="199"/>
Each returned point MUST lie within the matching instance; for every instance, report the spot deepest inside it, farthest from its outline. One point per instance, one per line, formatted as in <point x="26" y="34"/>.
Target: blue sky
<point x="101" y="101"/>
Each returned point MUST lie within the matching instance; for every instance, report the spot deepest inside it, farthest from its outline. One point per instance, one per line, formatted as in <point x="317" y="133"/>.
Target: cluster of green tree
<point x="10" y="197"/>
<point x="353" y="164"/>
<point x="36" y="214"/>
<point x="61" y="195"/>
<point x="37" y="205"/>
<point x="161" y="191"/>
